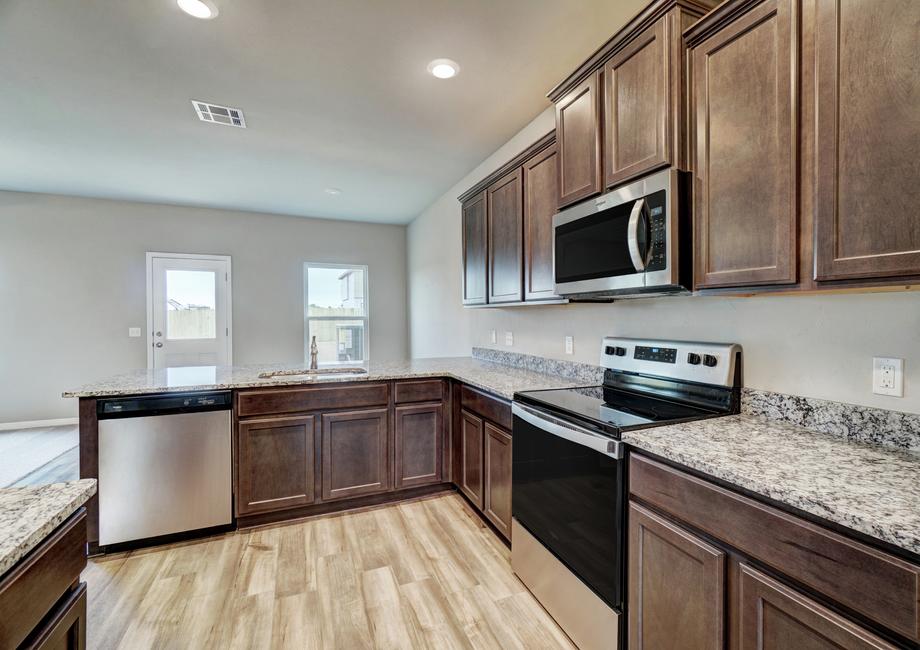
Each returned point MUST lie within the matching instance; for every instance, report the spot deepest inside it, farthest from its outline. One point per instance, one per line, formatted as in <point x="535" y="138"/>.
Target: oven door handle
<point x="570" y="432"/>
<point x="632" y="234"/>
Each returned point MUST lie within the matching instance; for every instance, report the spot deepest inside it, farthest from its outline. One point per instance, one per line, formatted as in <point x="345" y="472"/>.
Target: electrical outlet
<point x="509" y="338"/>
<point x="134" y="332"/>
<point x="494" y="336"/>
<point x="569" y="345"/>
<point x="888" y="376"/>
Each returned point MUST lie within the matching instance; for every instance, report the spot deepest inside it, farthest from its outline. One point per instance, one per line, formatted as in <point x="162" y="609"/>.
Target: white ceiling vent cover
<point x="217" y="114"/>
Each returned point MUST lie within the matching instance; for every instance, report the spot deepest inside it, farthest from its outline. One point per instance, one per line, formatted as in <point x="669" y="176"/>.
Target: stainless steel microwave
<point x="631" y="242"/>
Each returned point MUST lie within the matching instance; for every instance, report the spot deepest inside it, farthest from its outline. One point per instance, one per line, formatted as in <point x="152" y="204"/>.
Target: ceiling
<point x="95" y="97"/>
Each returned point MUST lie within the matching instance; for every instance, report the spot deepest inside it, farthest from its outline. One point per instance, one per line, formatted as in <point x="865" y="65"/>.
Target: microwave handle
<point x="633" y="235"/>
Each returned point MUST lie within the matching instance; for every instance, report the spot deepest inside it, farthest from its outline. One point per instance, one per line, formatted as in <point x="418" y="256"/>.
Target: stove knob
<point x="709" y="360"/>
<point x="693" y="359"/>
<point x="620" y="352"/>
<point x="610" y="350"/>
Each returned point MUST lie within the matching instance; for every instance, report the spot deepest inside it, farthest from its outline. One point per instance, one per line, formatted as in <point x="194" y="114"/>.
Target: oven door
<point x="568" y="488"/>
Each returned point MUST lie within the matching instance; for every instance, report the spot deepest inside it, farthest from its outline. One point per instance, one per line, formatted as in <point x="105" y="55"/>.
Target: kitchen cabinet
<point x="867" y="133"/>
<point x="471" y="447"/>
<point x="505" y="234"/>
<point x="578" y="133"/>
<point x="65" y="627"/>
<point x="832" y="573"/>
<point x="507" y="223"/>
<point x="474" y="249"/>
<point x="497" y="456"/>
<point x="676" y="585"/>
<point x="745" y="92"/>
<point x="773" y="616"/>
<point x="419" y="439"/>
<point x="275" y="466"/>
<point x="354" y="453"/>
<point x="541" y="196"/>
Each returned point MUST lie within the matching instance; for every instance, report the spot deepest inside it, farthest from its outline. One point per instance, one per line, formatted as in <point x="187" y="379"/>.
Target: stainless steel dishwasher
<point x="164" y="465"/>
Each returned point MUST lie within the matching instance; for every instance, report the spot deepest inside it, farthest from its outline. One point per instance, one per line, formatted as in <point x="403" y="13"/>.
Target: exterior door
<point x="188" y="310"/>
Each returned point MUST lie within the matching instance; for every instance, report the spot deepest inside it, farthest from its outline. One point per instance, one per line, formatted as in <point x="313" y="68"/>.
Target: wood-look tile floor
<point x="419" y="574"/>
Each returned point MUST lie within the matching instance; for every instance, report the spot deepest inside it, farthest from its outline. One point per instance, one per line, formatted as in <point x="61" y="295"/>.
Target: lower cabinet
<point x="354" y="457"/>
<point x="497" y="506"/>
<point x="676" y="586"/>
<point x="275" y="468"/>
<point x="65" y="628"/>
<point x="419" y="441"/>
<point x="471" y="441"/>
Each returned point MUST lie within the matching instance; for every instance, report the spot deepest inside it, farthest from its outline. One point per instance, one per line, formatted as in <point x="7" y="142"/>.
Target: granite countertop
<point x="496" y="378"/>
<point x="29" y="514"/>
<point x="868" y="488"/>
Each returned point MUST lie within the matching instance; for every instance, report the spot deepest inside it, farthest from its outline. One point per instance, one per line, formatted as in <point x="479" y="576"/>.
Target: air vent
<point x="217" y="114"/>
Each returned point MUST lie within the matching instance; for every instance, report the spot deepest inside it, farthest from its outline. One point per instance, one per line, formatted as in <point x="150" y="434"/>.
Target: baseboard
<point x="36" y="424"/>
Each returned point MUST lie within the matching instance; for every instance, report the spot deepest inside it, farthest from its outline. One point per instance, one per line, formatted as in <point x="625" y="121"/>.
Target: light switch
<point x="134" y="332"/>
<point x="888" y="376"/>
<point x="570" y="345"/>
<point x="509" y="338"/>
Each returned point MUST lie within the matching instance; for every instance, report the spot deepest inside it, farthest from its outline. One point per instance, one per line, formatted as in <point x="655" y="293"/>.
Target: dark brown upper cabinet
<point x="745" y="73"/>
<point x="636" y="124"/>
<point x="867" y="222"/>
<point x="505" y="234"/>
<point x="541" y="196"/>
<point x="275" y="466"/>
<point x="474" y="249"/>
<point x="578" y="135"/>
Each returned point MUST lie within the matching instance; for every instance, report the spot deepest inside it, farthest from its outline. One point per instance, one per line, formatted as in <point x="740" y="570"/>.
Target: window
<point x="335" y="312"/>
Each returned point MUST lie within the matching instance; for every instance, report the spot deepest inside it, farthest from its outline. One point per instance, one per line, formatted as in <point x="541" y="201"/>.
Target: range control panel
<point x="708" y="363"/>
<point x="662" y="355"/>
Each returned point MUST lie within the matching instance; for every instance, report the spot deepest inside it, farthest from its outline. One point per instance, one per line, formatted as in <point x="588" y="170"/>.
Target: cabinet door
<point x="471" y="470"/>
<point x="474" y="250"/>
<point x="867" y="222"/>
<point x="419" y="443"/>
<point x="506" y="232"/>
<point x="745" y="78"/>
<point x="541" y="198"/>
<point x="498" y="478"/>
<point x="578" y="135"/>
<point x="355" y="453"/>
<point x="676" y="586"/>
<point x="275" y="464"/>
<point x="774" y="617"/>
<point x="65" y="627"/>
<point x="637" y="104"/>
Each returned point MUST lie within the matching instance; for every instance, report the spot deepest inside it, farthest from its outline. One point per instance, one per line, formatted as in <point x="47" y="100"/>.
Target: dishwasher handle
<point x="164" y="404"/>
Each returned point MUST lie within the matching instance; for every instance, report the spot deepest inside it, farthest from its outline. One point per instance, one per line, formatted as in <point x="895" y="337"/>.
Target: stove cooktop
<point x="610" y="409"/>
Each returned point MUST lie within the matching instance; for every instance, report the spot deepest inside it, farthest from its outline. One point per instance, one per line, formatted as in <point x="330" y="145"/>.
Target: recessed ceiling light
<point x="444" y="68"/>
<point x="334" y="191"/>
<point x="204" y="9"/>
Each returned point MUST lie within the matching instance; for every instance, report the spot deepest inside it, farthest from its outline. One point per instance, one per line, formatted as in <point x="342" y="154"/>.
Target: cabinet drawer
<point x="31" y="588"/>
<point x="296" y="400"/>
<point x="65" y="628"/>
<point x="880" y="586"/>
<point x="491" y="408"/>
<point x="427" y="390"/>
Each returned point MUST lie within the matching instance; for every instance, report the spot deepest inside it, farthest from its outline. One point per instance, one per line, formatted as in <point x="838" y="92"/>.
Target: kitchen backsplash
<point x="861" y="423"/>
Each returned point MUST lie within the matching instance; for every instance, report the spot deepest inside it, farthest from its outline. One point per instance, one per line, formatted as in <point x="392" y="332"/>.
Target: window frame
<point x="307" y="318"/>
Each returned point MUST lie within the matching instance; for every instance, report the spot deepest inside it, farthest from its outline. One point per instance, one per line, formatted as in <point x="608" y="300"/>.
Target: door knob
<point x="159" y="334"/>
<point x="159" y="344"/>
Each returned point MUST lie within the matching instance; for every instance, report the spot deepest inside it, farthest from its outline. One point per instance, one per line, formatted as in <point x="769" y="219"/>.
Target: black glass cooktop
<point x="612" y="409"/>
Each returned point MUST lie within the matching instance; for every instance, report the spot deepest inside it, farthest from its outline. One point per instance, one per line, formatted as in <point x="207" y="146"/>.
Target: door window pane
<point x="191" y="304"/>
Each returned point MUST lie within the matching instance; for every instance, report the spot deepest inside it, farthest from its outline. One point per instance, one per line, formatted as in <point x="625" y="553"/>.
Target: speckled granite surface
<point x="583" y="373"/>
<point x="502" y="380"/>
<point x="29" y="514"/>
<point x="850" y="421"/>
<point x="865" y="487"/>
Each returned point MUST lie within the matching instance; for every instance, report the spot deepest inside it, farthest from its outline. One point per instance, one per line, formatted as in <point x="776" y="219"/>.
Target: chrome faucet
<point x="314" y="351"/>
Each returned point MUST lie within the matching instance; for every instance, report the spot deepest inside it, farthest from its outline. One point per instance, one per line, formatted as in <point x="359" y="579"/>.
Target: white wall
<point x="72" y="280"/>
<point x="817" y="346"/>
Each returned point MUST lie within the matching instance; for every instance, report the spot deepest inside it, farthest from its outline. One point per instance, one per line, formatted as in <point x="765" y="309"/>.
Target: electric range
<point x="569" y="472"/>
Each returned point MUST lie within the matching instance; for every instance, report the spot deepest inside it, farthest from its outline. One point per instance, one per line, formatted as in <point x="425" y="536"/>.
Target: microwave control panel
<point x="658" y="234"/>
